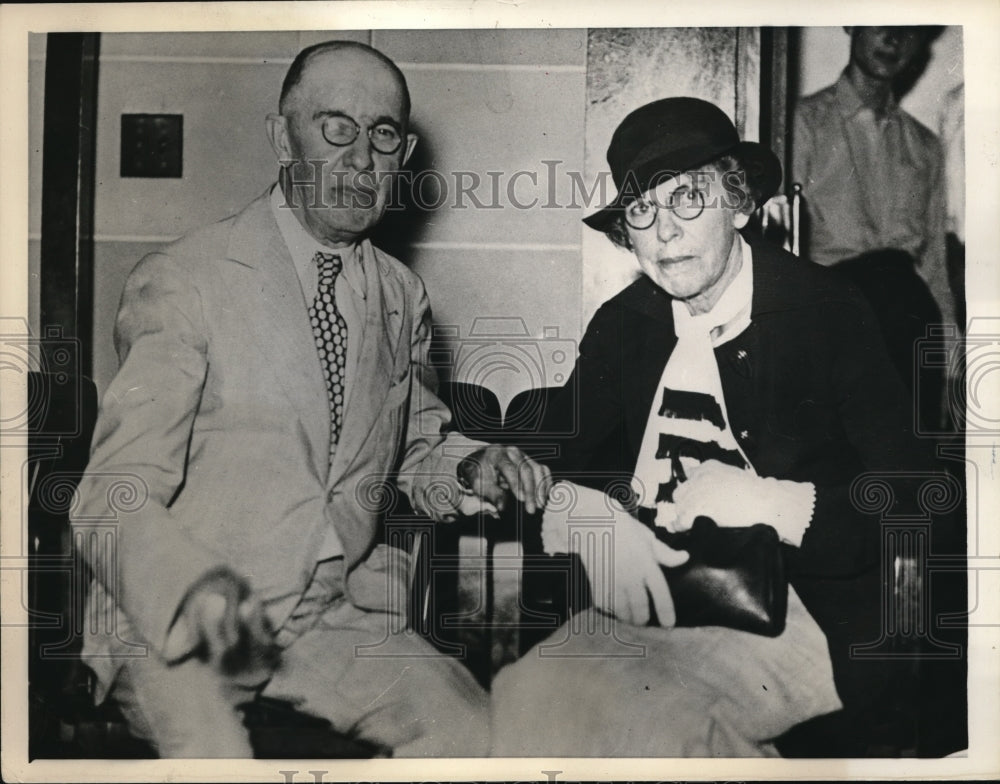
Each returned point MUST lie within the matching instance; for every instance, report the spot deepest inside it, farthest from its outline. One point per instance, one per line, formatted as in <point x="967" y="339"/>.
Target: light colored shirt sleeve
<point x="933" y="264"/>
<point x="428" y="473"/>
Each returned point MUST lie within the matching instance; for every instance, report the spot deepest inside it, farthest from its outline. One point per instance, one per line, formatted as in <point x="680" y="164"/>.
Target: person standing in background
<point x="874" y="193"/>
<point x="952" y="130"/>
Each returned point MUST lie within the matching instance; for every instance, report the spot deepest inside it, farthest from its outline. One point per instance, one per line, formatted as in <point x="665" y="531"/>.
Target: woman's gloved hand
<point x="735" y="497"/>
<point x="623" y="558"/>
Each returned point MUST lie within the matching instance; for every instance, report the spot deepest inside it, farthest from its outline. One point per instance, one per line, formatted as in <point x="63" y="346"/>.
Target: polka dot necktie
<point x="330" y="331"/>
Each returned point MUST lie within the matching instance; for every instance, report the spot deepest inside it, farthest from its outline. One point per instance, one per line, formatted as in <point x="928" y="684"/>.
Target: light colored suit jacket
<point x="212" y="445"/>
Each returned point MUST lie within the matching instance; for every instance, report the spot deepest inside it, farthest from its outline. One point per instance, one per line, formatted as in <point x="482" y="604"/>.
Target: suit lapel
<point x="658" y="340"/>
<point x="658" y="345"/>
<point x="261" y="276"/>
<point x="373" y="375"/>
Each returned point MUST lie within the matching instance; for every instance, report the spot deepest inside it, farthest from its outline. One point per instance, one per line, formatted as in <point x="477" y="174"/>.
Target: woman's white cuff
<point x="791" y="507"/>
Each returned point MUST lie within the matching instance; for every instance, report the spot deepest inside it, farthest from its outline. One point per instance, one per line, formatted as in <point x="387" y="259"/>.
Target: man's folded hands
<point x="495" y="473"/>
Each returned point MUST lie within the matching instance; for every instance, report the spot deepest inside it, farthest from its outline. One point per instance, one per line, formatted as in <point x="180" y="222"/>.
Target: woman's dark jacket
<point x="812" y="397"/>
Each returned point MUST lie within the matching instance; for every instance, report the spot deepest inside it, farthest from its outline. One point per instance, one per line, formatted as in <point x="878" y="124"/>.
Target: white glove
<point x="735" y="497"/>
<point x="621" y="555"/>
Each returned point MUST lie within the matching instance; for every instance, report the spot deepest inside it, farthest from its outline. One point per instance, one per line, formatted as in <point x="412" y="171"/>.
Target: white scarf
<point x="684" y="428"/>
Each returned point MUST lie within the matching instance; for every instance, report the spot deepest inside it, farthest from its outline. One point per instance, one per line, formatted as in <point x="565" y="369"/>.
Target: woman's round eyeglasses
<point x="340" y="131"/>
<point x="685" y="203"/>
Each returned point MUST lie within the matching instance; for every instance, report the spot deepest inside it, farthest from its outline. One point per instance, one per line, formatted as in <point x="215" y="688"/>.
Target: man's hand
<point x="224" y="623"/>
<point x="495" y="471"/>
<point x="625" y="580"/>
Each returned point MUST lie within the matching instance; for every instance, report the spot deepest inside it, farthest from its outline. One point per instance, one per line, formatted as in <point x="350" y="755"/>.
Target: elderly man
<point x="273" y="367"/>
<point x="732" y="381"/>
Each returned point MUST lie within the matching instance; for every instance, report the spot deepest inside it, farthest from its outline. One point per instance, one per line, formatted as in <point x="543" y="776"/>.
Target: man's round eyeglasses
<point x="685" y="203"/>
<point x="340" y="131"/>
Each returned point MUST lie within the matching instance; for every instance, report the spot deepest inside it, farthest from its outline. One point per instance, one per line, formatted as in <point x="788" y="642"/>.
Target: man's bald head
<point x="348" y="48"/>
<point x="344" y="116"/>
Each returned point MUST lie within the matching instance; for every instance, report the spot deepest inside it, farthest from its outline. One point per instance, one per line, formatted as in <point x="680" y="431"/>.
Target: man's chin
<point x="352" y="220"/>
<point x="882" y="71"/>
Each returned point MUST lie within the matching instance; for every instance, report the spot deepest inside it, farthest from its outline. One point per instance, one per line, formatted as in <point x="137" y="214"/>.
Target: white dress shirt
<point x="349" y="291"/>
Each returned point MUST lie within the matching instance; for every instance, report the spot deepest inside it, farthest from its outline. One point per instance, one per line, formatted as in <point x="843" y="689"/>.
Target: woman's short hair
<point x="739" y="191"/>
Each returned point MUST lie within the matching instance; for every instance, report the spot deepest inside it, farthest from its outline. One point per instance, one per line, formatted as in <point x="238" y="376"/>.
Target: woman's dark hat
<point x="674" y="135"/>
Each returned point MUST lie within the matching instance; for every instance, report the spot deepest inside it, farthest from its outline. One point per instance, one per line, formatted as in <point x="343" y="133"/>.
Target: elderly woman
<point x="734" y="381"/>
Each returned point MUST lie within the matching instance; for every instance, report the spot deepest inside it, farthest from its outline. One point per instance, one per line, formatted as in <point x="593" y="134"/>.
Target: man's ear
<point x="740" y="220"/>
<point x="276" y="126"/>
<point x="411" y="142"/>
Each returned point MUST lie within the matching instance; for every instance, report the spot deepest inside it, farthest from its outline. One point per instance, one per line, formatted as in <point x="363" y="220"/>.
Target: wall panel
<point x="518" y="327"/>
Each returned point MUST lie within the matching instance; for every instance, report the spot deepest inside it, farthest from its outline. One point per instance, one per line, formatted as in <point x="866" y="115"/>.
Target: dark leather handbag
<point x="735" y="577"/>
